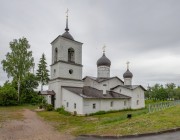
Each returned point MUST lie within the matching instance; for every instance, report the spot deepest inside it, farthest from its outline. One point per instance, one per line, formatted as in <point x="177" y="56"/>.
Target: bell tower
<point x="66" y="56"/>
<point x="66" y="67"/>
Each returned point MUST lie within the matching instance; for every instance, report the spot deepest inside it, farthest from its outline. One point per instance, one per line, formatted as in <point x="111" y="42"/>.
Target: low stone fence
<point x="162" y="105"/>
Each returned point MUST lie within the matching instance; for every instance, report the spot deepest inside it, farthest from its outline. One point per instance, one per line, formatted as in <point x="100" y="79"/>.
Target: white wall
<point x="72" y="98"/>
<point x="127" y="81"/>
<point x="109" y="83"/>
<point x="63" y="44"/>
<point x="56" y="85"/>
<point x="136" y="94"/>
<point x="62" y="70"/>
<point x="103" y="71"/>
<point x="104" y="105"/>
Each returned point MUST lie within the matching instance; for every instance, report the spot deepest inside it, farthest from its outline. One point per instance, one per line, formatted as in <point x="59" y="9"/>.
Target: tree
<point x="8" y="95"/>
<point x="42" y="72"/>
<point x="19" y="61"/>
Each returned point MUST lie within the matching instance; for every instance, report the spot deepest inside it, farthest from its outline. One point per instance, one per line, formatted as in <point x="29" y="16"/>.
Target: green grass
<point x="115" y="123"/>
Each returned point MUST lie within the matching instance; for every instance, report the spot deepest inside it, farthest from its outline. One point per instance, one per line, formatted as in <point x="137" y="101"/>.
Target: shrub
<point x="8" y="95"/>
<point x="61" y="110"/>
<point x="49" y="107"/>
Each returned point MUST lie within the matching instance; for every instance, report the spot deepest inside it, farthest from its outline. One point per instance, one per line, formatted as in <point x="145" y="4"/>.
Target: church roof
<point x="92" y="93"/>
<point x="99" y="80"/>
<point x="103" y="61"/>
<point x="131" y="87"/>
<point x="67" y="35"/>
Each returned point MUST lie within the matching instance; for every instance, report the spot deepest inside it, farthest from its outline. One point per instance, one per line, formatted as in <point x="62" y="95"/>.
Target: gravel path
<point x="31" y="128"/>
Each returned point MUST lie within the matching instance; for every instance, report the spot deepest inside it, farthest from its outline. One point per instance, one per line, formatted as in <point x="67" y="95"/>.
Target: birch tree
<point x="19" y="61"/>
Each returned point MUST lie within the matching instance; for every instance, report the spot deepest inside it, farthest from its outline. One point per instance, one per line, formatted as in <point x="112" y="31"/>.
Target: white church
<point x="87" y="95"/>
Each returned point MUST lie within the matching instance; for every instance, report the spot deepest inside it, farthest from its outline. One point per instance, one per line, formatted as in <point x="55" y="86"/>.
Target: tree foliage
<point x="19" y="61"/>
<point x="42" y="72"/>
<point x="8" y="95"/>
<point x="160" y="92"/>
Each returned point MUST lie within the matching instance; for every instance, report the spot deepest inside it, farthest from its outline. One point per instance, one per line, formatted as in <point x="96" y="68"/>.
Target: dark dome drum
<point x="127" y="74"/>
<point x="103" y="61"/>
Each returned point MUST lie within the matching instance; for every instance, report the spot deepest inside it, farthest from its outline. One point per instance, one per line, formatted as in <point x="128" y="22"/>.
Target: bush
<point x="61" y="110"/>
<point x="49" y="107"/>
<point x="31" y="98"/>
<point x="8" y="95"/>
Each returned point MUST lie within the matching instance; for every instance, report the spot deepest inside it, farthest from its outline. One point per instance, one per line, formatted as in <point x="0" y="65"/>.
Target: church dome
<point x="67" y="35"/>
<point x="103" y="61"/>
<point x="127" y="74"/>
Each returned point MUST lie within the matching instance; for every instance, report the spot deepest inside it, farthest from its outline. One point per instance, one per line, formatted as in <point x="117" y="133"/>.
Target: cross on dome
<point x="67" y="12"/>
<point x="104" y="48"/>
<point x="127" y="64"/>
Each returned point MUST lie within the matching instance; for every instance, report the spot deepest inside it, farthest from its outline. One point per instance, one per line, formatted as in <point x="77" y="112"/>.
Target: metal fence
<point x="162" y="105"/>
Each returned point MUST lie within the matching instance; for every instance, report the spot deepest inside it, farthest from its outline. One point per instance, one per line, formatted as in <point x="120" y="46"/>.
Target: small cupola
<point x="103" y="61"/>
<point x="103" y="66"/>
<point x="127" y="76"/>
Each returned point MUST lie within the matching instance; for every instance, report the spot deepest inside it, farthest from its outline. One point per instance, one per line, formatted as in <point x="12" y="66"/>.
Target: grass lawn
<point x="115" y="123"/>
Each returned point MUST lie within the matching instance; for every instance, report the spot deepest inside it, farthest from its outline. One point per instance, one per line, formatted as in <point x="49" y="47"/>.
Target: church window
<point x="67" y="104"/>
<point x="111" y="103"/>
<point x="120" y="90"/>
<point x="55" y="55"/>
<point x="94" y="106"/>
<point x="124" y="103"/>
<point x="74" y="105"/>
<point x="137" y="102"/>
<point x="70" y="71"/>
<point x="54" y="72"/>
<point x="71" y="55"/>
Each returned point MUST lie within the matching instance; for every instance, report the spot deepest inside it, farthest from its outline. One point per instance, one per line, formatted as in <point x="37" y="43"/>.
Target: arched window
<point x="55" y="55"/>
<point x="71" y="55"/>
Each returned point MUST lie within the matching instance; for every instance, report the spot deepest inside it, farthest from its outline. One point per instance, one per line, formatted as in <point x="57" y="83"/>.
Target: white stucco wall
<point x="109" y="83"/>
<point x="63" y="44"/>
<point x="103" y="71"/>
<point x="127" y="81"/>
<point x="56" y="85"/>
<point x="136" y="95"/>
<point x="62" y="70"/>
<point x="71" y="99"/>
<point x="104" y="105"/>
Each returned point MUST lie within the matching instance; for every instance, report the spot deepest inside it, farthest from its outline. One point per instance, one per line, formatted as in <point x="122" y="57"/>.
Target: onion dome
<point x="103" y="61"/>
<point x="67" y="34"/>
<point x="127" y="74"/>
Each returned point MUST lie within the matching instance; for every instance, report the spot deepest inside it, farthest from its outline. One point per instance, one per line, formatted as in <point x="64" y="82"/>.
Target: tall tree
<point x="42" y="72"/>
<point x="19" y="61"/>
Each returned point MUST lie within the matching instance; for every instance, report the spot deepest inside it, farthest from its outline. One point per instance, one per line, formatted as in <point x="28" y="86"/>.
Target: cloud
<point x="144" y="32"/>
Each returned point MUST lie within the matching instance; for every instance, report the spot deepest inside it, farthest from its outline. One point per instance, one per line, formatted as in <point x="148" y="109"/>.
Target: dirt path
<point x="31" y="128"/>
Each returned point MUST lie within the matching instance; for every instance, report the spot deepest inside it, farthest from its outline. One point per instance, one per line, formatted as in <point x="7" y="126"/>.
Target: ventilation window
<point x="70" y="71"/>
